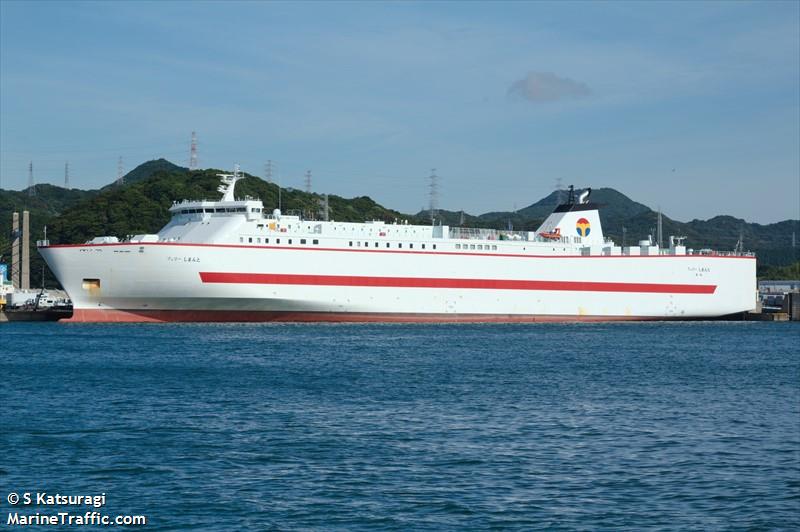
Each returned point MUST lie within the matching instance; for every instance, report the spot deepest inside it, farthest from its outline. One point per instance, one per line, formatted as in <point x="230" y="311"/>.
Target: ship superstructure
<point x="234" y="260"/>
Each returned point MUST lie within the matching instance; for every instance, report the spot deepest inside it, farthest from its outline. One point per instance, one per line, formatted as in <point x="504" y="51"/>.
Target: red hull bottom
<point x="246" y="316"/>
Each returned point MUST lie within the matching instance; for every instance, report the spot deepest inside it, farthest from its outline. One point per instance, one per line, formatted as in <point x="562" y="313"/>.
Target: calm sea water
<point x="659" y="425"/>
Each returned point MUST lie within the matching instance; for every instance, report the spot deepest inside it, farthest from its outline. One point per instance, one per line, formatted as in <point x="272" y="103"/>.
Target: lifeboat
<point x="555" y="234"/>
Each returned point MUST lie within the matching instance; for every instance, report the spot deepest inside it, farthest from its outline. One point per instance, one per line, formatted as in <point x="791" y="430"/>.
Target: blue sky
<point x="691" y="106"/>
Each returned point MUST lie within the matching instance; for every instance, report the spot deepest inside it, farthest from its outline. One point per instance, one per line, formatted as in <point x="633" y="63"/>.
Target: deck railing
<point x="474" y="233"/>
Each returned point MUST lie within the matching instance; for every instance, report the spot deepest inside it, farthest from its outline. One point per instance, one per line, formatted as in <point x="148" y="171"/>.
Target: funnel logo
<point x="583" y="227"/>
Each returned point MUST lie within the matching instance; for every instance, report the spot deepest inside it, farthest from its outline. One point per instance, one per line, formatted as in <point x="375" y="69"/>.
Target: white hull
<point x="199" y="282"/>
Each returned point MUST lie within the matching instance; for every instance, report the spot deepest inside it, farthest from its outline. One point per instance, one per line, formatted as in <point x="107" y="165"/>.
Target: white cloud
<point x="547" y="87"/>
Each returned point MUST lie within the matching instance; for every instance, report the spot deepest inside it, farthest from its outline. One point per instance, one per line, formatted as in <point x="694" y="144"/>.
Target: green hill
<point x="146" y="170"/>
<point x="141" y="206"/>
<point x="48" y="202"/>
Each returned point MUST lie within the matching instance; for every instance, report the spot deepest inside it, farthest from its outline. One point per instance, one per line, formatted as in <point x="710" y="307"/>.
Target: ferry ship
<point x="234" y="261"/>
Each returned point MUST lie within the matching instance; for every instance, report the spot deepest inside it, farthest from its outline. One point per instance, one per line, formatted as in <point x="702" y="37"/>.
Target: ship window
<point x="302" y="240"/>
<point x="458" y="246"/>
<point x="388" y="245"/>
<point x="290" y="240"/>
<point x="208" y="210"/>
<point x="366" y="244"/>
<point x="472" y="246"/>
<point x="250" y="240"/>
<point x="423" y="246"/>
<point x="376" y="244"/>
<point x="277" y="240"/>
<point x="241" y="239"/>
<point x="258" y="240"/>
<point x="351" y="243"/>
<point x="494" y="248"/>
<point x="480" y="247"/>
<point x="358" y="244"/>
<point x="241" y="209"/>
<point x="315" y="241"/>
<point x="220" y="210"/>
<point x="434" y="246"/>
<point x="266" y="240"/>
<point x="399" y="245"/>
<point x="411" y="246"/>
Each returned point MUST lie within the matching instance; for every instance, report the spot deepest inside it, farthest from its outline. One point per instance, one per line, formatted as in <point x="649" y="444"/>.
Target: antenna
<point x="434" y="195"/>
<point x="268" y="171"/>
<point x="308" y="181"/>
<point x="660" y="231"/>
<point x="324" y="208"/>
<point x="66" y="174"/>
<point x="560" y="190"/>
<point x="624" y="232"/>
<point x="120" y="172"/>
<point x="278" y="182"/>
<point x="31" y="185"/>
<point x="740" y="243"/>
<point x="193" y="152"/>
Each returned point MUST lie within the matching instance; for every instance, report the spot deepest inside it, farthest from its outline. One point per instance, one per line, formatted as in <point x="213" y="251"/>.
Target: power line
<point x="433" y="207"/>
<point x="193" y="152"/>
<point x="31" y="185"/>
<point x="268" y="171"/>
<point x="120" y="172"/>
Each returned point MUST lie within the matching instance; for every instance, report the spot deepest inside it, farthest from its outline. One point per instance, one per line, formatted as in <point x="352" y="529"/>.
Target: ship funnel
<point x="584" y="197"/>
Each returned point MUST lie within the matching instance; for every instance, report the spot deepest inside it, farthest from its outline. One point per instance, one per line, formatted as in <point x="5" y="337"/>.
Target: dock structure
<point x="15" y="250"/>
<point x="20" y="251"/>
<point x="25" y="271"/>
<point x="779" y="300"/>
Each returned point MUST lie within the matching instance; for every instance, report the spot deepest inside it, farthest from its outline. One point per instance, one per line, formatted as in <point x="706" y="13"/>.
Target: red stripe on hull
<point x="164" y="316"/>
<point x="421" y="282"/>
